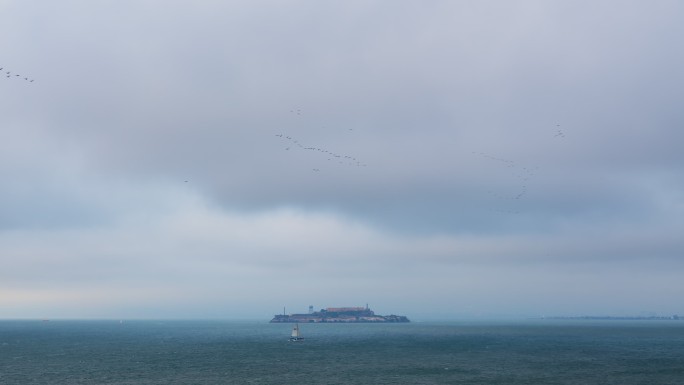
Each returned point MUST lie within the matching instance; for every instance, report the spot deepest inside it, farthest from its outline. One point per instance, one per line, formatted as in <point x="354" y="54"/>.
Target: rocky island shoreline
<point x="339" y="315"/>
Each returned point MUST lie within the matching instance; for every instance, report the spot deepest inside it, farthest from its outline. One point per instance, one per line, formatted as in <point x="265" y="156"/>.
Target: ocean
<point x="225" y="352"/>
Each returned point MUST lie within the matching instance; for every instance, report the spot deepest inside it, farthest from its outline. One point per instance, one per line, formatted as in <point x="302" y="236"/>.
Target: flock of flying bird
<point x="332" y="156"/>
<point x="9" y="74"/>
<point x="559" y="133"/>
<point x="522" y="174"/>
<point x="342" y="159"/>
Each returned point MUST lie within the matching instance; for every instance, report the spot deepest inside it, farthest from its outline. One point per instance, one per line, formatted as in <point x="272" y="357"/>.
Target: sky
<point x="434" y="159"/>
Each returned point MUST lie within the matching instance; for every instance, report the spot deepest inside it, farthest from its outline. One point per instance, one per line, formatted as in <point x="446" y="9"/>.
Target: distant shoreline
<point x="618" y="318"/>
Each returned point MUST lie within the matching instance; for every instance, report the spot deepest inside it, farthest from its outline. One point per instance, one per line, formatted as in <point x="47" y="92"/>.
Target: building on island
<point x="338" y="314"/>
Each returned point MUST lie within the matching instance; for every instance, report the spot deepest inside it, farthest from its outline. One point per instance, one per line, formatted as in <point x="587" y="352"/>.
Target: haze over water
<point x="219" y="352"/>
<point x="442" y="159"/>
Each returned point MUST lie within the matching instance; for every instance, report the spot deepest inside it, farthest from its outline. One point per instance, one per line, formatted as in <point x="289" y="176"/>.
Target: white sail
<point x="295" y="334"/>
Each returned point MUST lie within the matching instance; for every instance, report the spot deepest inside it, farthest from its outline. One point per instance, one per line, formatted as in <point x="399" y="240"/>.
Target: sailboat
<point x="296" y="336"/>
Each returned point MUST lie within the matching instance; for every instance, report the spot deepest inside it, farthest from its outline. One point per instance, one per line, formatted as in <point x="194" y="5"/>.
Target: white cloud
<point x="453" y="108"/>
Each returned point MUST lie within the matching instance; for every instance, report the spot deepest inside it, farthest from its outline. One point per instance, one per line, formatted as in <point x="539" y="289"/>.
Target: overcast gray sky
<point x="430" y="158"/>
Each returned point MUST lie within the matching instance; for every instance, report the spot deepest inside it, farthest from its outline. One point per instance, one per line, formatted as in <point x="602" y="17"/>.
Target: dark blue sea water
<point x="221" y="352"/>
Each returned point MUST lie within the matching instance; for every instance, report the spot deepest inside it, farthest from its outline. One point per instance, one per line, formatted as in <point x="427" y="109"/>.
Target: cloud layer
<point x="445" y="159"/>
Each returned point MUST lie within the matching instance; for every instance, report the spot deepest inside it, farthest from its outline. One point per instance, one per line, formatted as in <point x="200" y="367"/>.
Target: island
<point x="338" y="314"/>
